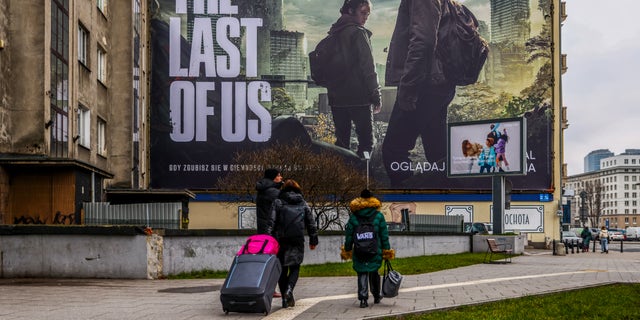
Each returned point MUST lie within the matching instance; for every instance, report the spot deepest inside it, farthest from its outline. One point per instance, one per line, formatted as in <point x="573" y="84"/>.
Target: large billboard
<point x="233" y="75"/>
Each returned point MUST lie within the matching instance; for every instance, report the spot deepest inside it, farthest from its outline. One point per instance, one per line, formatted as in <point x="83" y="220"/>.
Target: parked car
<point x="478" y="228"/>
<point x="396" y="226"/>
<point x="570" y="239"/>
<point x="633" y="233"/>
<point x="617" y="235"/>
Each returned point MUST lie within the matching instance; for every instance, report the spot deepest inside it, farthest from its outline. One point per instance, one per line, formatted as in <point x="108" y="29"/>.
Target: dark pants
<point x="288" y="278"/>
<point x="362" y="118"/>
<point x="428" y="121"/>
<point x="366" y="280"/>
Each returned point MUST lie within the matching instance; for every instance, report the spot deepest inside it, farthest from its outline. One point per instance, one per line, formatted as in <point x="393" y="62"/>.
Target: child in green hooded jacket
<point x="366" y="208"/>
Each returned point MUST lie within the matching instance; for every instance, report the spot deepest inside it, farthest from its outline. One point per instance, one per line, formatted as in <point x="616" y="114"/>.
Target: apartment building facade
<point x="73" y="102"/>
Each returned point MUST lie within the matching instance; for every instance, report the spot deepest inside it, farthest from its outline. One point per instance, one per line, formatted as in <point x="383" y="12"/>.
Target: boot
<point x="364" y="303"/>
<point x="285" y="302"/>
<point x="290" y="300"/>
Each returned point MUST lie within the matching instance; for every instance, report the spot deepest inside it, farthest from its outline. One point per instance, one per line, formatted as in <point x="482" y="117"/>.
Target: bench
<point x="503" y="250"/>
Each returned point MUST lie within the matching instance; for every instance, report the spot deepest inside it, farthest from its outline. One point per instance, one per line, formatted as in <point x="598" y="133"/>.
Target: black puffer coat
<point x="268" y="191"/>
<point x="292" y="216"/>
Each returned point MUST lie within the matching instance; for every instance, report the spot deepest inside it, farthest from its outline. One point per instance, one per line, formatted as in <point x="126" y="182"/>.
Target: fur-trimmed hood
<point x="358" y="204"/>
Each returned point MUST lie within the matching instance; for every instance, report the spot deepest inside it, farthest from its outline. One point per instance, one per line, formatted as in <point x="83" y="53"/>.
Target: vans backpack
<point x="461" y="49"/>
<point x="365" y="240"/>
<point x="326" y="62"/>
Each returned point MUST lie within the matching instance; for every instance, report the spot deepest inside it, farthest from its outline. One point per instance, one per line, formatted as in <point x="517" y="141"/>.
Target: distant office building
<point x="612" y="191"/>
<point x="592" y="160"/>
<point x="631" y="152"/>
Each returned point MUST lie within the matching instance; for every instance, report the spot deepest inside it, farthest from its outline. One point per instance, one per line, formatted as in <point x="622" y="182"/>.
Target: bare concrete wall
<point x="193" y="253"/>
<point x="73" y="256"/>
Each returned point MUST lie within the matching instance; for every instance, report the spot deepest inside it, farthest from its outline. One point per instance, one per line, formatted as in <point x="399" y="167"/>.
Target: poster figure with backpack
<point x="434" y="48"/>
<point x="367" y="244"/>
<point x="343" y="63"/>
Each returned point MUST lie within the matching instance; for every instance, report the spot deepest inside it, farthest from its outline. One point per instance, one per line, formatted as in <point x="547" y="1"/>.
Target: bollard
<point x="573" y="247"/>
<point x="621" y="246"/>
<point x="594" y="245"/>
<point x="559" y="248"/>
<point x="553" y="244"/>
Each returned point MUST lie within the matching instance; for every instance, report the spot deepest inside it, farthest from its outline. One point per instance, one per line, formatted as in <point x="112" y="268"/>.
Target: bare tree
<point x="593" y="201"/>
<point x="329" y="183"/>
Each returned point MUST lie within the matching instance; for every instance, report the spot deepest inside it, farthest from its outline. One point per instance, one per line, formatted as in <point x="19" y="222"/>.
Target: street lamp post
<point x="367" y="156"/>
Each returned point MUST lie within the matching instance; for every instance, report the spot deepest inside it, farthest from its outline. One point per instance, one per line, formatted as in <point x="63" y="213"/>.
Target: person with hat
<point x="365" y="210"/>
<point x="268" y="189"/>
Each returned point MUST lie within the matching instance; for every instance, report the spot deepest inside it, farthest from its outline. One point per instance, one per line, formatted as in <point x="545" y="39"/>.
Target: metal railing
<point x="154" y="215"/>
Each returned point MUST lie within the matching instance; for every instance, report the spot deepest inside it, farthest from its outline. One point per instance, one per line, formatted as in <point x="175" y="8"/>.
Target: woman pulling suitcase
<point x="292" y="216"/>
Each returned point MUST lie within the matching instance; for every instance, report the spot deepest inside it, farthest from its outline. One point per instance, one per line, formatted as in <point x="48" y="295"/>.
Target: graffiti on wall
<point x="59" y="219"/>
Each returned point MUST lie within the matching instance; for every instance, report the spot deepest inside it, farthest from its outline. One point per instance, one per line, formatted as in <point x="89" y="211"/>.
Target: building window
<point x="84" y="127"/>
<point x="102" y="5"/>
<point x="102" y="65"/>
<point x="102" y="137"/>
<point x="83" y="44"/>
<point x="58" y="123"/>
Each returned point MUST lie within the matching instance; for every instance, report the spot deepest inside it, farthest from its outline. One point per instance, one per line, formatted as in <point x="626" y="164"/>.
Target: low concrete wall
<point x="514" y="242"/>
<point x="127" y="252"/>
<point x="192" y="253"/>
<point x="119" y="255"/>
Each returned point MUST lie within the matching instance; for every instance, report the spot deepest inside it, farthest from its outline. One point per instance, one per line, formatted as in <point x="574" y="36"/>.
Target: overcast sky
<point x="601" y="88"/>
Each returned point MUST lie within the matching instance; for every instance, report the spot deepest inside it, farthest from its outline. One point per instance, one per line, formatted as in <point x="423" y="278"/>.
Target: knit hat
<point x="366" y="194"/>
<point x="271" y="173"/>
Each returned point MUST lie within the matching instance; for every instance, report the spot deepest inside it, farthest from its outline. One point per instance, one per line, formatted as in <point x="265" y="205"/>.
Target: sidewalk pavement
<point x="535" y="272"/>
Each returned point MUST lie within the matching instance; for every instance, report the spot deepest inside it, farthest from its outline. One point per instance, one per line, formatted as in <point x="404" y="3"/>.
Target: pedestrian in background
<point x="365" y="210"/>
<point x="292" y="216"/>
<point x="586" y="238"/>
<point x="604" y="240"/>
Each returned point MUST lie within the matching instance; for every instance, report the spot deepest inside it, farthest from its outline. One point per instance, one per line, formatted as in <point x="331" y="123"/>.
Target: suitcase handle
<point x="246" y="246"/>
